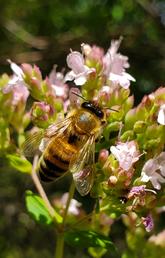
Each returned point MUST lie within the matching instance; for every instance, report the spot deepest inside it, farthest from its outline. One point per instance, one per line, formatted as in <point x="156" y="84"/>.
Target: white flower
<point x="80" y="71"/>
<point x="123" y="80"/>
<point x="17" y="73"/>
<point x="115" y="65"/>
<point x="126" y="153"/>
<point x="161" y="115"/>
<point x="154" y="171"/>
<point x="16" y="86"/>
<point x="74" y="204"/>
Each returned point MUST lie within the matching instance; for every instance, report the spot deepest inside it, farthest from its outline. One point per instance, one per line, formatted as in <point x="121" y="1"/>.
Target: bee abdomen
<point x="48" y="171"/>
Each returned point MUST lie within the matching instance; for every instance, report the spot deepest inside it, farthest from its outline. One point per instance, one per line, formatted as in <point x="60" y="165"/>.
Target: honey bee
<point x="70" y="145"/>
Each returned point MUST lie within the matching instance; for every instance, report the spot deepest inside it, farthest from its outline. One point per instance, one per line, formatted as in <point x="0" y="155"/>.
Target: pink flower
<point x="80" y="71"/>
<point x="16" y="87"/>
<point x="115" y="65"/>
<point x="148" y="223"/>
<point x="161" y="115"/>
<point x="57" y="81"/>
<point x="126" y="153"/>
<point x="154" y="171"/>
<point x="94" y="52"/>
<point x="137" y="191"/>
<point x="19" y="93"/>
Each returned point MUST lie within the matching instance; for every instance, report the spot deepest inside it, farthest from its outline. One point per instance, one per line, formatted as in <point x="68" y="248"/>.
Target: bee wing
<point x="39" y="140"/>
<point x="32" y="142"/>
<point x="58" y="128"/>
<point x="82" y="167"/>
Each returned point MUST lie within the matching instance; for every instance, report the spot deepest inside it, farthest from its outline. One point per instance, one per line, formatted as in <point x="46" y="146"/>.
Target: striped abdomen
<point x="56" y="158"/>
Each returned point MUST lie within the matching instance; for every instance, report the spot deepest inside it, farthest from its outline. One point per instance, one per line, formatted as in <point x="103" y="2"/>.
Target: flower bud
<point x="42" y="114"/>
<point x="139" y="127"/>
<point x="27" y="70"/>
<point x="35" y="89"/>
<point x="86" y="49"/>
<point x="154" y="131"/>
<point x="130" y="119"/>
<point x="112" y="181"/>
<point x="33" y="78"/>
<point x="103" y="155"/>
<point x="37" y="73"/>
<point x="129" y="103"/>
<point x="127" y="135"/>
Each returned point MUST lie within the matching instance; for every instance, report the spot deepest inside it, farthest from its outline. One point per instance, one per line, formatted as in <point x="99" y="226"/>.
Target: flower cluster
<point x="130" y="170"/>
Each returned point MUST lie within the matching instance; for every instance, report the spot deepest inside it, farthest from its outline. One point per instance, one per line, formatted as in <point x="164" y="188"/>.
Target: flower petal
<point x="80" y="80"/>
<point x="16" y="69"/>
<point x="161" y="115"/>
<point x="75" y="61"/>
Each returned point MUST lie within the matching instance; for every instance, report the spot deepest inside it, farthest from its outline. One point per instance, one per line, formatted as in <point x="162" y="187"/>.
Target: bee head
<point x="93" y="109"/>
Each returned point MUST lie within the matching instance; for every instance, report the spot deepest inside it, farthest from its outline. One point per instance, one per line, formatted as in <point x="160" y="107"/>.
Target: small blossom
<point x="16" y="88"/>
<point x="80" y="71"/>
<point x="19" y="92"/>
<point x="74" y="204"/>
<point x="16" y="85"/>
<point x="126" y="153"/>
<point x="148" y="223"/>
<point x="57" y="81"/>
<point x="15" y="95"/>
<point x="154" y="171"/>
<point x="137" y="191"/>
<point x="115" y="65"/>
<point x="161" y="115"/>
<point x="94" y="53"/>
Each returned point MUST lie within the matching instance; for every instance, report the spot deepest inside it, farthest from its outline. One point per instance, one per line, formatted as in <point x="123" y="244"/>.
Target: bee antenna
<point x="80" y="96"/>
<point x="111" y="109"/>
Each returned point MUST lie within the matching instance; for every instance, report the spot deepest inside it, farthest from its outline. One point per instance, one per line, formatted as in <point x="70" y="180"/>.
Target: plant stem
<point x="70" y="197"/>
<point x="40" y="188"/>
<point x="60" y="234"/>
<point x="59" y="245"/>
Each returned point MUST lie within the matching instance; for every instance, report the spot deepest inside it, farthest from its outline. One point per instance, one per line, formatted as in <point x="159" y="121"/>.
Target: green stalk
<point x="59" y="245"/>
<point x="70" y="197"/>
<point x="60" y="235"/>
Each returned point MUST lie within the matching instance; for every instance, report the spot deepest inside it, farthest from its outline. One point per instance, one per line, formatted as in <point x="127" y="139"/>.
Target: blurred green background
<point x="42" y="32"/>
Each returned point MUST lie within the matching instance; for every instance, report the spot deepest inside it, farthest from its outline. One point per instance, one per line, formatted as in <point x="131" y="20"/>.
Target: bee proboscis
<point x="69" y="145"/>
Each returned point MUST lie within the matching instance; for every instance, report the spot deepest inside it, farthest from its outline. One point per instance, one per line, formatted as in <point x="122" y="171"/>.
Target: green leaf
<point x="37" y="208"/>
<point x="88" y="239"/>
<point x="19" y="163"/>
